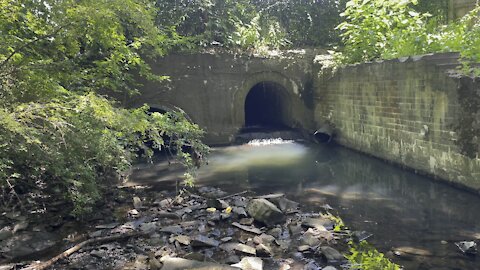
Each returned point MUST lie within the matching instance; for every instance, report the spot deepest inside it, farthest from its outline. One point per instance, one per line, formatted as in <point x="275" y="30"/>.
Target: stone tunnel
<point x="226" y="93"/>
<point x="410" y="111"/>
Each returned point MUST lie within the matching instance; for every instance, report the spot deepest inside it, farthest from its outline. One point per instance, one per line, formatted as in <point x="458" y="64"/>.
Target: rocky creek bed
<point x="203" y="228"/>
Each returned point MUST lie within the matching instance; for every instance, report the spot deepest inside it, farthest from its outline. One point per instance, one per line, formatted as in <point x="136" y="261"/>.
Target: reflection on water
<point x="404" y="211"/>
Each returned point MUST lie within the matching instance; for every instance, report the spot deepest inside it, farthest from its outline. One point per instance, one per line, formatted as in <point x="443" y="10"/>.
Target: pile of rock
<point x="207" y="229"/>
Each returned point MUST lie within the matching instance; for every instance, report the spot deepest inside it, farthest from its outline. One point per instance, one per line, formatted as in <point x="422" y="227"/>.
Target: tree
<point x="58" y="134"/>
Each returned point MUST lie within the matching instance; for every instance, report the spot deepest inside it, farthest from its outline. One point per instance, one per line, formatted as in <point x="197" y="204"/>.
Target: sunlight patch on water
<point x="272" y="153"/>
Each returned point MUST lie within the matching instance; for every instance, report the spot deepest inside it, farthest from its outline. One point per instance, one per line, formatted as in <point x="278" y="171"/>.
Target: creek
<point x="414" y="220"/>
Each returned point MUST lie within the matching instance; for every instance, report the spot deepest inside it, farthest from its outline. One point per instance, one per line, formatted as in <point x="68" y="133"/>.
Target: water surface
<point x="413" y="214"/>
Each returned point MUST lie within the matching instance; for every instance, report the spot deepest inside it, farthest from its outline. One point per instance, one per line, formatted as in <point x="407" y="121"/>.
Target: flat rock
<point x="183" y="211"/>
<point x="239" y="202"/>
<point x="271" y="196"/>
<point x="8" y="267"/>
<point x="107" y="226"/>
<point x="310" y="238"/>
<point x="148" y="227"/>
<point x="133" y="212"/>
<point x="5" y="233"/>
<point x="264" y="211"/>
<point x="203" y="241"/>
<point x="246" y="221"/>
<point x="247" y="228"/>
<point x="20" y="226"/>
<point x="175" y="229"/>
<point x="229" y="247"/>
<point x="331" y="255"/>
<point x="165" y="203"/>
<point x="226" y="239"/>
<point x="264" y="250"/>
<point x="217" y="203"/>
<point x="275" y="232"/>
<point x="232" y="259"/>
<point x="250" y="263"/>
<point x="239" y="211"/>
<point x="169" y="215"/>
<point x="98" y="253"/>
<point x="468" y="247"/>
<point x="304" y="248"/>
<point x="295" y="229"/>
<point x="264" y="239"/>
<point x="181" y="264"/>
<point x="182" y="239"/>
<point x="285" y="205"/>
<point x="27" y="243"/>
<point x="321" y="224"/>
<point x="137" y="203"/>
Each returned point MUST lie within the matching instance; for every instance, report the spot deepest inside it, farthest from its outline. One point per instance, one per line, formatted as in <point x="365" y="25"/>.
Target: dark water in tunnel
<point x="413" y="214"/>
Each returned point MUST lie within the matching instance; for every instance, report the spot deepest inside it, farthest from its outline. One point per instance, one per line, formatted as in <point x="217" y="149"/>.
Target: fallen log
<point x="77" y="247"/>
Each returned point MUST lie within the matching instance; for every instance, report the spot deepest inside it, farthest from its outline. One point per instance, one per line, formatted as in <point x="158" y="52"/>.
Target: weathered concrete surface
<point x="212" y="88"/>
<point x="409" y="111"/>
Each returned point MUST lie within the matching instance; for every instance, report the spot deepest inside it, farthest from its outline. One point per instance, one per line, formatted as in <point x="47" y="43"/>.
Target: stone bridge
<point x="224" y="92"/>
<point x="412" y="111"/>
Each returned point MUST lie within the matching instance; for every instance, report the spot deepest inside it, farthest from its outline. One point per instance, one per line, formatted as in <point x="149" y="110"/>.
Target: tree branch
<point x="4" y="62"/>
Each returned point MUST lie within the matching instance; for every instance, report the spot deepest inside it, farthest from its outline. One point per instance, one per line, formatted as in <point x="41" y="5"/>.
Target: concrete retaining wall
<point x="408" y="111"/>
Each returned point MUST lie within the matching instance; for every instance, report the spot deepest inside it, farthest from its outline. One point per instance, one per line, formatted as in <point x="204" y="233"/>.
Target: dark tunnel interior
<point x="266" y="106"/>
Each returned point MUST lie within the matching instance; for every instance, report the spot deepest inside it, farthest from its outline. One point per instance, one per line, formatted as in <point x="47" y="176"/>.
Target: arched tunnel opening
<point x="267" y="107"/>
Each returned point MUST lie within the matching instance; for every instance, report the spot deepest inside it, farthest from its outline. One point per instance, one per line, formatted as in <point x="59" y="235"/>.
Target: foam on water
<point x="269" y="142"/>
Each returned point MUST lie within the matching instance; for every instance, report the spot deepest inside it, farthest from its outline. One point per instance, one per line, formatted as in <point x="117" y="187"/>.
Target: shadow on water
<point x="407" y="213"/>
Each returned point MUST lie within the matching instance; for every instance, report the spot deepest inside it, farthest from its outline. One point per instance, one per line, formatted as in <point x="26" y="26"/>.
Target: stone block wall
<point x="409" y="111"/>
<point x="212" y="88"/>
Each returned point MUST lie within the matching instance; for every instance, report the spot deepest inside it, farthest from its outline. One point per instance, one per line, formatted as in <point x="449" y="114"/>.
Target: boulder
<point x="310" y="238"/>
<point x="264" y="211"/>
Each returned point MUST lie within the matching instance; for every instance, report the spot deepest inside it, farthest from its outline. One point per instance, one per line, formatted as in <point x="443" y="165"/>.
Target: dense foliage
<point x="58" y="59"/>
<point x="382" y="29"/>
<point x="375" y="29"/>
<point x="220" y="23"/>
<point x="58" y="135"/>
<point x="253" y="24"/>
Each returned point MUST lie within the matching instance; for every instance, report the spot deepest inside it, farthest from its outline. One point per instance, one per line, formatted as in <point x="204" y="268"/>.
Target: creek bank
<point x="209" y="229"/>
